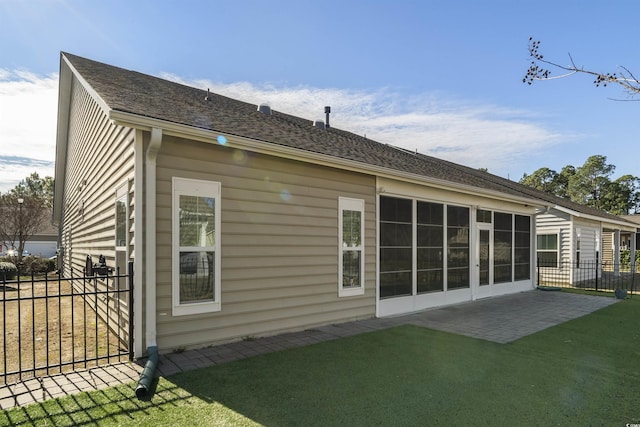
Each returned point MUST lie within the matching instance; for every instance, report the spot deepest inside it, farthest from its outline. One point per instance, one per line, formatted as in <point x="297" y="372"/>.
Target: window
<point x="121" y="218"/>
<point x="502" y="246"/>
<point x="547" y="250"/>
<point x="122" y="240"/>
<point x="430" y="232"/>
<point x="457" y="247"/>
<point x="423" y="245"/>
<point x="195" y="246"/>
<point x="522" y="250"/>
<point x="396" y="247"/>
<point x="483" y="216"/>
<point x="351" y="251"/>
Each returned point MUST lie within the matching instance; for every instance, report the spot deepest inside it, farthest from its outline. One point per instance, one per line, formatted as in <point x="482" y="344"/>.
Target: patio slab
<point x="508" y="318"/>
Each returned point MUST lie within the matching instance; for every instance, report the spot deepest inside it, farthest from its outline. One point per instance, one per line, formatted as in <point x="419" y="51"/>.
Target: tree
<point x="538" y="70"/>
<point x="25" y="210"/>
<point x="543" y="179"/>
<point x="623" y="196"/>
<point x="563" y="179"/>
<point x="550" y="181"/>
<point x="590" y="185"/>
<point x="591" y="182"/>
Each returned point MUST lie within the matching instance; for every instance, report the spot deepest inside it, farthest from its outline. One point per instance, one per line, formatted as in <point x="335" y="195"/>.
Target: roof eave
<point x="123" y="118"/>
<point x="624" y="225"/>
<point x="62" y="132"/>
<point x="67" y="73"/>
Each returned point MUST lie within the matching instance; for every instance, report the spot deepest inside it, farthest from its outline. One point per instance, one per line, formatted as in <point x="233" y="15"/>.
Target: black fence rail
<point x="589" y="275"/>
<point x="52" y="324"/>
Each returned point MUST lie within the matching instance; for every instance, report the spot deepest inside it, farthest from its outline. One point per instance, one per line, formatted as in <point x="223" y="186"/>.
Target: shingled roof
<point x="147" y="96"/>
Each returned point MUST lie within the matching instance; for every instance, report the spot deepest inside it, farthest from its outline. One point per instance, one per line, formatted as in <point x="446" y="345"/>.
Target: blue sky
<point x="440" y="77"/>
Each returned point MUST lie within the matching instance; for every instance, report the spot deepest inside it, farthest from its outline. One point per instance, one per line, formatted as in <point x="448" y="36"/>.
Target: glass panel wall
<point x="522" y="252"/>
<point x="457" y="247"/>
<point x="502" y="247"/>
<point x="430" y="234"/>
<point x="396" y="247"/>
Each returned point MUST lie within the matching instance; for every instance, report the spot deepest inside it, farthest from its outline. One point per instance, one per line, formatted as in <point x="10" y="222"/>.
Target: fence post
<point x="131" y="326"/>
<point x="633" y="277"/>
<point x="597" y="267"/>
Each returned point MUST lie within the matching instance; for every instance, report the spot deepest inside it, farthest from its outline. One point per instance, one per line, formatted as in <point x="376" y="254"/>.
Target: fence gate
<point x="52" y="325"/>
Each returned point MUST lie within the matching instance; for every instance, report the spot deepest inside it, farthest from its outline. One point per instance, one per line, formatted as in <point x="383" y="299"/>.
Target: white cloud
<point x="494" y="137"/>
<point x="488" y="136"/>
<point x="28" y="113"/>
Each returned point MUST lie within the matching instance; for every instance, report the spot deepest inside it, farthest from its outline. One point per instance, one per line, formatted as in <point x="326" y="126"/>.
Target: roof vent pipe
<point x="318" y="124"/>
<point x="265" y="109"/>
<point x="208" y="97"/>
<point x="327" y="111"/>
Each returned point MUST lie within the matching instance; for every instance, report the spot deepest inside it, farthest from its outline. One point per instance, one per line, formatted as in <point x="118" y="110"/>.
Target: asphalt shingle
<point x="147" y="96"/>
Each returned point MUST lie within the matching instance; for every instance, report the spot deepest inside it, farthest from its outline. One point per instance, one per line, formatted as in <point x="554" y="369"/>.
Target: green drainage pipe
<point x="142" y="390"/>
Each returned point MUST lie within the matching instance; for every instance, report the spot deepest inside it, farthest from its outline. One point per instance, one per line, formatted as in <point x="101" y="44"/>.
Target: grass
<point x="583" y="372"/>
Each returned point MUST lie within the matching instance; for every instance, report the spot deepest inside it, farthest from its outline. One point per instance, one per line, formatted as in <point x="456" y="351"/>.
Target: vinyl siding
<point x="99" y="159"/>
<point x="560" y="223"/>
<point x="607" y="247"/>
<point x="279" y="244"/>
<point x="556" y="222"/>
<point x="588" y="232"/>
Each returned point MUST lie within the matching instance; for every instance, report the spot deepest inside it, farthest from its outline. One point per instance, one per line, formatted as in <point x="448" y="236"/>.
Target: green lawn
<point x="583" y="372"/>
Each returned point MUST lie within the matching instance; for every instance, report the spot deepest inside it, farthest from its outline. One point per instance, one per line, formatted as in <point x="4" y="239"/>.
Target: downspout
<point x="148" y="372"/>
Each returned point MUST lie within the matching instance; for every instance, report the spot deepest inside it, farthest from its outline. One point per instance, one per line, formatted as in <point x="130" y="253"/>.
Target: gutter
<point x="148" y="373"/>
<point x="266" y="147"/>
<point x="623" y="224"/>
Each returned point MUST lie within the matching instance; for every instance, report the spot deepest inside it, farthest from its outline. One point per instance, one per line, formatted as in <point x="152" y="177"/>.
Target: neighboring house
<point x="44" y="243"/>
<point x="244" y="221"/>
<point x="572" y="238"/>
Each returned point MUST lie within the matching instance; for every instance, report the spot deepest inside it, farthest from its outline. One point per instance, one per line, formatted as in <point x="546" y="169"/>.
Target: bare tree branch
<point x="538" y="70"/>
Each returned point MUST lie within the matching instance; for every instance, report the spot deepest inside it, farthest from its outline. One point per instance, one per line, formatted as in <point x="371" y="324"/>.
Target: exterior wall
<point x="590" y="232"/>
<point x="99" y="160"/>
<point x="607" y="247"/>
<point x="567" y="228"/>
<point x="279" y="244"/>
<point x="557" y="222"/>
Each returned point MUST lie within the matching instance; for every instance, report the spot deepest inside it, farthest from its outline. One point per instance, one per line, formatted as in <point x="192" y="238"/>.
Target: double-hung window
<point x="195" y="246"/>
<point x="351" y="250"/>
<point x="547" y="252"/>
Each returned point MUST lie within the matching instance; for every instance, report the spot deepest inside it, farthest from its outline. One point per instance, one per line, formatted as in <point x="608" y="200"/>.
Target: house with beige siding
<point x="241" y="220"/>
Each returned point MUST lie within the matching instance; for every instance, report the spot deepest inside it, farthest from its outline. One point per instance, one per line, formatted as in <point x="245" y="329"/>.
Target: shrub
<point x="8" y="271"/>
<point x="625" y="258"/>
<point x="37" y="265"/>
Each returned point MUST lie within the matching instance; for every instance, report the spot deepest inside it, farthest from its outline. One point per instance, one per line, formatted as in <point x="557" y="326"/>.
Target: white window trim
<point x="557" y="251"/>
<point x="348" y="204"/>
<point x="193" y="187"/>
<point x="123" y="193"/>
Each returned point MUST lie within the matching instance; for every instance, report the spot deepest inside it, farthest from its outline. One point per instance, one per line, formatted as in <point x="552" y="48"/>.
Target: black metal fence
<point x="52" y="324"/>
<point x="589" y="275"/>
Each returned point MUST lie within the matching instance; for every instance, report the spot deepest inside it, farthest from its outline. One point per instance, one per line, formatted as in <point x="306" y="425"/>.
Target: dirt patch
<point x="47" y="329"/>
